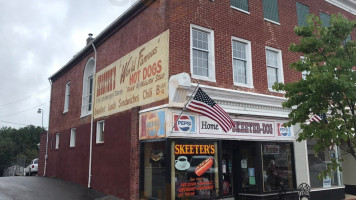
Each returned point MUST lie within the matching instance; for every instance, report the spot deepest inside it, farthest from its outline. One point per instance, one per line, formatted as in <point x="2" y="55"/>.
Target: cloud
<point x="37" y="38"/>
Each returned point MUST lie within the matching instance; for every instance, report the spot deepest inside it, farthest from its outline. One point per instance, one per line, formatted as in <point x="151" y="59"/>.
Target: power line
<point x="15" y="123"/>
<point x="25" y="98"/>
<point x="23" y="110"/>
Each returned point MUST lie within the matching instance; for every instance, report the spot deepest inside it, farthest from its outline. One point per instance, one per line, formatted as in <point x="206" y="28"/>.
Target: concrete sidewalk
<point x="350" y="197"/>
<point x="43" y="188"/>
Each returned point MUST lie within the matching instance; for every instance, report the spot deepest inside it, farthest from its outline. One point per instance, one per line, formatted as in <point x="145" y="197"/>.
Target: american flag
<point x="204" y="105"/>
<point x="318" y="118"/>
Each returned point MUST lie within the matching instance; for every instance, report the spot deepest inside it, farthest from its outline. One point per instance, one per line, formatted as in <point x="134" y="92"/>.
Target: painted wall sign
<point x="153" y="125"/>
<point x="138" y="78"/>
<point x="186" y="123"/>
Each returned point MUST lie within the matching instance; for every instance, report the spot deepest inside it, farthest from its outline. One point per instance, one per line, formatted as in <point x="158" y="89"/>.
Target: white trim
<point x="343" y="5"/>
<point x="329" y="188"/>
<point x="239" y="9"/>
<point x="154" y="108"/>
<point x="272" y="21"/>
<point x="249" y="72"/>
<point x="280" y="66"/>
<point x="211" y="55"/>
<point x="86" y="75"/>
<point x="98" y="130"/>
<point x="57" y="141"/>
<point x="66" y="100"/>
<point x="72" y="142"/>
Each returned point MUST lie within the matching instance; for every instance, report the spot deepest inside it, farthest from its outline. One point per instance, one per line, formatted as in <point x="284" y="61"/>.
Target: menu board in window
<point x="195" y="170"/>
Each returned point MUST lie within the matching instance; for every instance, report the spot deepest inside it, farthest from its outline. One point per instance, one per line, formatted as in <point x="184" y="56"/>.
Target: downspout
<point x="49" y="115"/>
<point x="92" y="120"/>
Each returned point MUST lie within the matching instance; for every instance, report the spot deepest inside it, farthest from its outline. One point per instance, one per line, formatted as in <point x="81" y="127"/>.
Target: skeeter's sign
<point x="182" y="149"/>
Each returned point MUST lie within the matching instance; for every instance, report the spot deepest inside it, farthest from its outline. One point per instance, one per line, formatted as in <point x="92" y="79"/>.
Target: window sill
<point x="99" y="143"/>
<point x="275" y="91"/>
<point x="272" y="21"/>
<point x="203" y="78"/>
<point x="84" y="115"/>
<point x="238" y="9"/>
<point x="64" y="112"/>
<point x="243" y="85"/>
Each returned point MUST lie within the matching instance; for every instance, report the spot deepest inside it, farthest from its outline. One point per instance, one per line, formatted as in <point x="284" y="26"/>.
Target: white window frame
<point x="88" y="73"/>
<point x="98" y="131"/>
<point x="73" y="135"/>
<point x="66" y="97"/>
<point x="249" y="72"/>
<point x="57" y="141"/>
<point x="211" y="54"/>
<point x="304" y="73"/>
<point x="280" y="66"/>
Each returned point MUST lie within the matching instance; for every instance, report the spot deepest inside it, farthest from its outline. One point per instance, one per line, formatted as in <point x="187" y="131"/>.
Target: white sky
<point x="37" y="38"/>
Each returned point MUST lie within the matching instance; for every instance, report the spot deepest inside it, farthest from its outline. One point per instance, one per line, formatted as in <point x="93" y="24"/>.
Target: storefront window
<point x="227" y="172"/>
<point x="318" y="163"/>
<point x="154" y="170"/>
<point x="248" y="168"/>
<point x="195" y="170"/>
<point x="277" y="166"/>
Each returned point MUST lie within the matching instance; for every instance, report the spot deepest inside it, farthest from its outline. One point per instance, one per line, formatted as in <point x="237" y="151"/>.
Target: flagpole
<point x="174" y="125"/>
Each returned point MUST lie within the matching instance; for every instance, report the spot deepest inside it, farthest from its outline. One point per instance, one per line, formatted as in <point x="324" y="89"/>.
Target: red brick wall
<point x="115" y="167"/>
<point x="226" y="22"/>
<point x="113" y="170"/>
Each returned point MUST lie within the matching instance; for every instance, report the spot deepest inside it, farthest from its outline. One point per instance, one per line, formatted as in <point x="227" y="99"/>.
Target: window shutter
<point x="241" y="4"/>
<point x="270" y="10"/>
<point x="302" y="12"/>
<point x="325" y="19"/>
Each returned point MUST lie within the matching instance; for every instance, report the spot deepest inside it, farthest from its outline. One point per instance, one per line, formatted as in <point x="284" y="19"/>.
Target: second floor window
<point x="57" y="141"/>
<point x="241" y="62"/>
<point x="274" y="66"/>
<point x="73" y="133"/>
<point x="88" y="88"/>
<point x="202" y="45"/>
<point x="66" y="97"/>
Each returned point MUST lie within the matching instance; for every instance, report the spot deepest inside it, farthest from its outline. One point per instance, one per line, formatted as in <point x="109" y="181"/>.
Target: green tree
<point x="18" y="143"/>
<point x="329" y="86"/>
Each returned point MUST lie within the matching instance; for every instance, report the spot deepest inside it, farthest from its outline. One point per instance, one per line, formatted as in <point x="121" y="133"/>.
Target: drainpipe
<point x="92" y="119"/>
<point x="49" y="115"/>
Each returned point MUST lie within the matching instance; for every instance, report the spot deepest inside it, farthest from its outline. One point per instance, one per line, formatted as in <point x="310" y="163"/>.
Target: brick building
<point x="132" y="81"/>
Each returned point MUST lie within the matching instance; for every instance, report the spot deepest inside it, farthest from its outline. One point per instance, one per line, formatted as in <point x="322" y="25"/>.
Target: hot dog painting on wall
<point x="204" y="166"/>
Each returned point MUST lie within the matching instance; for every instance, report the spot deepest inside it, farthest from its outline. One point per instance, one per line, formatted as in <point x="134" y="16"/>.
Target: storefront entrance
<point x="255" y="169"/>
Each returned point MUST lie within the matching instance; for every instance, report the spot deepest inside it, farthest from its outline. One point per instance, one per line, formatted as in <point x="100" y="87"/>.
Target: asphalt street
<point x="43" y="188"/>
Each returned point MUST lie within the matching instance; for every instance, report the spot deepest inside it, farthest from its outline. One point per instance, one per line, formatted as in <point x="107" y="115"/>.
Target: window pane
<point x="195" y="173"/>
<point x="248" y="165"/>
<point x="200" y="63"/>
<point x="318" y="163"/>
<point x="302" y="12"/>
<point x="277" y="166"/>
<point x="325" y="19"/>
<point x="240" y="71"/>
<point x="241" y="4"/>
<point x="272" y="76"/>
<point x="270" y="10"/>
<point x="154" y="171"/>
<point x="200" y="40"/>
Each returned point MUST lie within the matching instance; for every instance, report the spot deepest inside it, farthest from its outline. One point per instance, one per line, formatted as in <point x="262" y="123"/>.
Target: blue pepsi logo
<point x="184" y="123"/>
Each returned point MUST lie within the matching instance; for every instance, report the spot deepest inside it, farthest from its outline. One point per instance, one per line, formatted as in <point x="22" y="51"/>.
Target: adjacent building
<point x="114" y="115"/>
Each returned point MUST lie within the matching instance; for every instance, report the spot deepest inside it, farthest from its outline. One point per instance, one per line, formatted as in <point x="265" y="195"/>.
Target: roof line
<point x="103" y="35"/>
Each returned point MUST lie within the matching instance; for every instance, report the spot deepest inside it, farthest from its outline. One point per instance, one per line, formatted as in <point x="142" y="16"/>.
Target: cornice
<point x="347" y="5"/>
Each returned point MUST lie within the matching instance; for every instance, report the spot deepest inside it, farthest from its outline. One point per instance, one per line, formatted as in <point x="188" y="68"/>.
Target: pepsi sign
<point x="283" y="131"/>
<point x="186" y="123"/>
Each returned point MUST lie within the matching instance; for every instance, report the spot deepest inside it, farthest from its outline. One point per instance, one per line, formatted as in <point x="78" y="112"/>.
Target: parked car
<point x="32" y="168"/>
